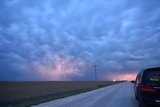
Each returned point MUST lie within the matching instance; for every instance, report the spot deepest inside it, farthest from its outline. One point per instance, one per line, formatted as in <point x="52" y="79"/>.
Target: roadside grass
<point x="20" y="101"/>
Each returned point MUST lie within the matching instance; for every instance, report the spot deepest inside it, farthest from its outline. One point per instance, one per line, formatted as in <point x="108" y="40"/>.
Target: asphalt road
<point x="119" y="95"/>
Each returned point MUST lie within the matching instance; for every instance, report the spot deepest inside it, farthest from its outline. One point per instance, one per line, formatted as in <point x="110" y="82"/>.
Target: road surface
<point x="119" y="95"/>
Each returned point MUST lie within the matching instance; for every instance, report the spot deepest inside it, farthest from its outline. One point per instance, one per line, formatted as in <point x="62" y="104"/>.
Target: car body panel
<point x="147" y="87"/>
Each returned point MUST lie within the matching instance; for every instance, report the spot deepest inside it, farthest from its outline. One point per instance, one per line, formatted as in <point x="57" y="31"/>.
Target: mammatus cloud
<point x="120" y="36"/>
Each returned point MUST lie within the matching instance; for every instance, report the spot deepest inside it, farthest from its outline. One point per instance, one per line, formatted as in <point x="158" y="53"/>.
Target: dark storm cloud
<point x="120" y="36"/>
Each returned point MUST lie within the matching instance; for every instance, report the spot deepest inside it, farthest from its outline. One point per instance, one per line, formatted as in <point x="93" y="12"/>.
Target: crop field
<point x="25" y="94"/>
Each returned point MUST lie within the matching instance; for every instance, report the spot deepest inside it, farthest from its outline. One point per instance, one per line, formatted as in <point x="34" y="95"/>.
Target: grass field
<point x="25" y="94"/>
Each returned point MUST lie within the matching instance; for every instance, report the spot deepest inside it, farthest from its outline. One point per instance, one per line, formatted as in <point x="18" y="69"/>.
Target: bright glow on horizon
<point x="122" y="77"/>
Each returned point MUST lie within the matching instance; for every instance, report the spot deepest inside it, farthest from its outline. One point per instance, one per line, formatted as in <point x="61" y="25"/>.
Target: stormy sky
<point x="62" y="39"/>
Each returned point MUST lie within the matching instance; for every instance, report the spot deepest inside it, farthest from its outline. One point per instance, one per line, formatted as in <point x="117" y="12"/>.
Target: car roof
<point x="155" y="68"/>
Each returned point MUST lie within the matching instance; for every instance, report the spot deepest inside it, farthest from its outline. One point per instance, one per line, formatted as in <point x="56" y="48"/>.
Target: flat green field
<point x="25" y="94"/>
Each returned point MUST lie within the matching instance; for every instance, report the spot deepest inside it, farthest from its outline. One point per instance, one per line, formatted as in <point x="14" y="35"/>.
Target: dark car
<point x="147" y="87"/>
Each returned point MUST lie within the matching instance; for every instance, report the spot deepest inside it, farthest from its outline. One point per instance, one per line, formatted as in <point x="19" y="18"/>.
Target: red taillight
<point x="147" y="89"/>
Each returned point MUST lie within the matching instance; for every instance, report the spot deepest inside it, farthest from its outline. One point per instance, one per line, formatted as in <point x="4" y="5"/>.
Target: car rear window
<point x="153" y="75"/>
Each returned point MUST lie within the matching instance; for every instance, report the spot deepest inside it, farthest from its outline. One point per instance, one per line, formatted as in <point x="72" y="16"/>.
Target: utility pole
<point x="118" y="79"/>
<point x="95" y="70"/>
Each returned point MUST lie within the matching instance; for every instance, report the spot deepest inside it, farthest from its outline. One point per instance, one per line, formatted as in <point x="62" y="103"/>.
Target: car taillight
<point x="147" y="89"/>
